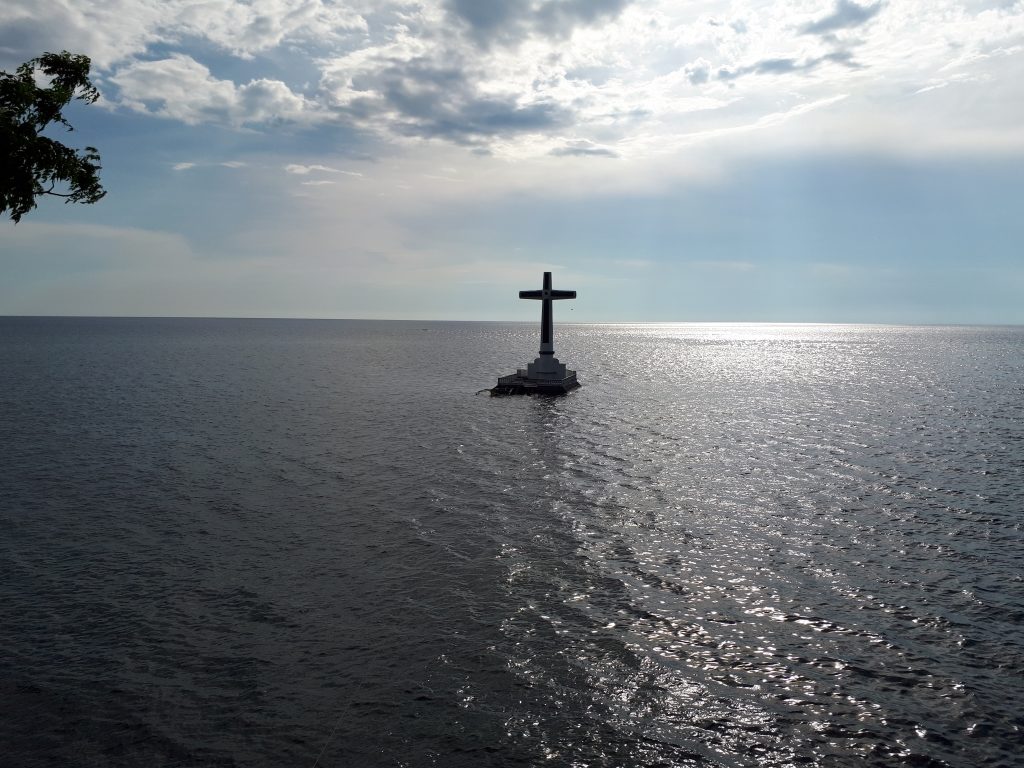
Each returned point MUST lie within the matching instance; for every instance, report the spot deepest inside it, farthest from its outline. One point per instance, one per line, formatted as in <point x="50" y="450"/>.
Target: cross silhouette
<point x="547" y="323"/>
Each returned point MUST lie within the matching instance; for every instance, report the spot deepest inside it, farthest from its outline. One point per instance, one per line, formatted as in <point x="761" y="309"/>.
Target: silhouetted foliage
<point x="31" y="164"/>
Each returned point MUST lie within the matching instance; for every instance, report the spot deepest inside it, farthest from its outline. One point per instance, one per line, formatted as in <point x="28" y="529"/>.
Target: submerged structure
<point x="545" y="375"/>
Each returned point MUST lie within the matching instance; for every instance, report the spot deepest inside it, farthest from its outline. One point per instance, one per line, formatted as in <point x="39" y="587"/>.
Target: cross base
<point x="546" y="367"/>
<point x="544" y="376"/>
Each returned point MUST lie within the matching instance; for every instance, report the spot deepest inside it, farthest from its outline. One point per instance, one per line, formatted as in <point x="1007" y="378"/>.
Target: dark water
<point x="260" y="543"/>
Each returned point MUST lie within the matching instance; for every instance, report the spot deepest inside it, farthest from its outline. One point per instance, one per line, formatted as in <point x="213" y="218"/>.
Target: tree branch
<point x="28" y="104"/>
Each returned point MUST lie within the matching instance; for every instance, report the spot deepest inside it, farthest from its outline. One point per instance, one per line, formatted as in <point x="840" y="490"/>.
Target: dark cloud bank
<point x="507" y="22"/>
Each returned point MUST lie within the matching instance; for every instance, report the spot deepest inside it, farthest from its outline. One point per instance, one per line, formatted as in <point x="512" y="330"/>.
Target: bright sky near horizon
<point x="799" y="160"/>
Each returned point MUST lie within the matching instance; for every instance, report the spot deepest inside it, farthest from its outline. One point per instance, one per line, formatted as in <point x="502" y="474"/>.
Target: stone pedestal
<point x="546" y="367"/>
<point x="521" y="383"/>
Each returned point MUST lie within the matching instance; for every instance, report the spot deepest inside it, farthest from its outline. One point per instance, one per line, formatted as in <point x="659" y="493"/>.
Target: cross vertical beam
<point x="547" y="322"/>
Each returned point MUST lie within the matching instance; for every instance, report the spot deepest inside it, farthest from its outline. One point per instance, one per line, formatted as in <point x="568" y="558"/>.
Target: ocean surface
<point x="300" y="543"/>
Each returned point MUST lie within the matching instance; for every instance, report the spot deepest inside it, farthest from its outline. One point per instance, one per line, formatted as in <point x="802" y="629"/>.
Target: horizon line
<point x="522" y="322"/>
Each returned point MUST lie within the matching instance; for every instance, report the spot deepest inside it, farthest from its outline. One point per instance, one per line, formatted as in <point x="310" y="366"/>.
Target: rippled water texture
<point x="264" y="543"/>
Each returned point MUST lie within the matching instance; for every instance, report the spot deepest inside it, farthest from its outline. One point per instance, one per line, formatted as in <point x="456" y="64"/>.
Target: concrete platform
<point x="519" y="383"/>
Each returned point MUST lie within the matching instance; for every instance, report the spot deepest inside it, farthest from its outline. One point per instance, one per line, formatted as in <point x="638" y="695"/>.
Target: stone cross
<point x="547" y="330"/>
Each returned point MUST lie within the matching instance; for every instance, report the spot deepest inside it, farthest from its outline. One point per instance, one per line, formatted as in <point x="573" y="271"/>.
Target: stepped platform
<point x="520" y="383"/>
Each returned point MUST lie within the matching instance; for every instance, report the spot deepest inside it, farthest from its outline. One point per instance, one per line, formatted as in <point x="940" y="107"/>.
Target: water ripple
<point x="250" y="542"/>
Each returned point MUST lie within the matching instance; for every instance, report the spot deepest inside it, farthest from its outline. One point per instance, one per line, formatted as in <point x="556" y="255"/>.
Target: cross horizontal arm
<point x="547" y="294"/>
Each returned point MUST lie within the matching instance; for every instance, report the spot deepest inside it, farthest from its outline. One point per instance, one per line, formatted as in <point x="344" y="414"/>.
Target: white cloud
<point x="265" y="100"/>
<point x="183" y="166"/>
<point x="536" y="78"/>
<point x="303" y="170"/>
<point x="114" y="30"/>
<point x="106" y="30"/>
<point x="181" y="88"/>
<point x="246" y="29"/>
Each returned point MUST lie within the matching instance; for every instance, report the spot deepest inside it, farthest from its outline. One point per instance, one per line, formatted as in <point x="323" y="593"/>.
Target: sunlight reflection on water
<point x="765" y="603"/>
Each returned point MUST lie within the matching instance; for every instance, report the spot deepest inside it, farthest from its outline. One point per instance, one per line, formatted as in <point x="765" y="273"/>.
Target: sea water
<point x="272" y="542"/>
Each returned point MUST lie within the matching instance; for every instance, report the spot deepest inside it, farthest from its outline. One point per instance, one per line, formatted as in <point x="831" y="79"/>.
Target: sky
<point x="784" y="161"/>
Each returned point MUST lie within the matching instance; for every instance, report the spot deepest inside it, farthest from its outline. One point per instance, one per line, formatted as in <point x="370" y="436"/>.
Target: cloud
<point x="181" y="88"/>
<point x="582" y="148"/>
<point x="698" y="72"/>
<point x="302" y="170"/>
<point x="845" y="16"/>
<point x="778" y="66"/>
<point x="421" y="97"/>
<point x="111" y="31"/>
<point x="506" y="22"/>
<point x="510" y="78"/>
<point x="933" y="87"/>
<point x="268" y="100"/>
<point x="491" y="20"/>
<point x="789" y="66"/>
<point x="226" y="164"/>
<point x="106" y="30"/>
<point x="560" y="17"/>
<point x="246" y="29"/>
